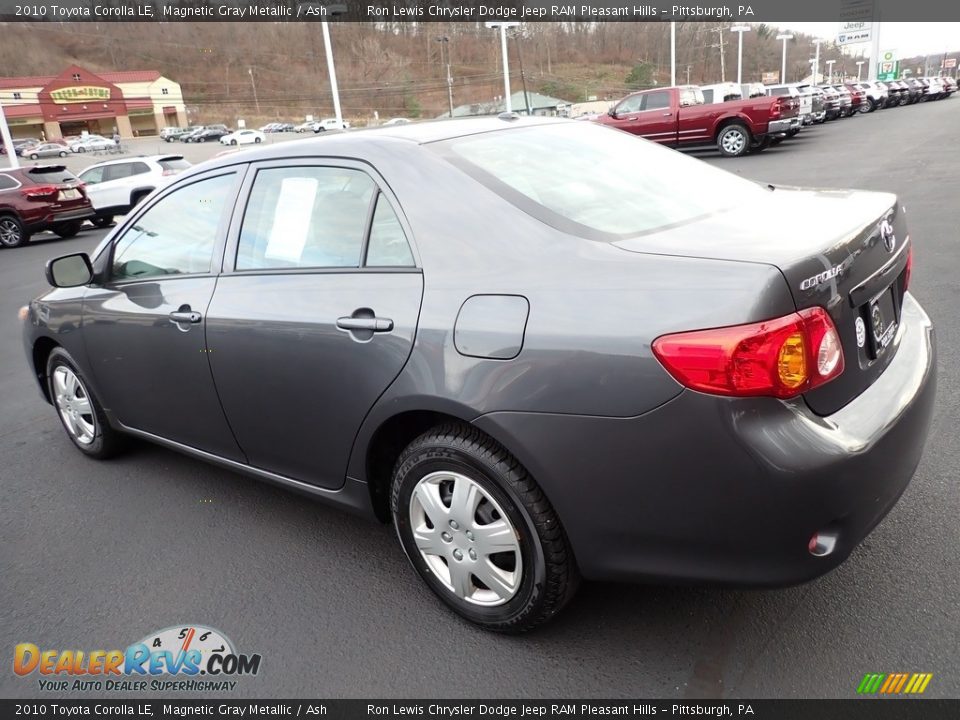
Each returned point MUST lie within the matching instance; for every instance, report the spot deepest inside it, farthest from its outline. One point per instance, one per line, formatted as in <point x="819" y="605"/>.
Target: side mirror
<point x="69" y="271"/>
<point x="612" y="112"/>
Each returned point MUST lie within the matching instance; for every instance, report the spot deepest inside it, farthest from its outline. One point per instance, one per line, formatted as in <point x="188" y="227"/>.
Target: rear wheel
<point x="34" y="156"/>
<point x="479" y="530"/>
<point x="12" y="233"/>
<point x="68" y="229"/>
<point x="233" y="142"/>
<point x="256" y="140"/>
<point x="81" y="149"/>
<point x="734" y="140"/>
<point x="80" y="413"/>
<point x="866" y="106"/>
<point x="761" y="145"/>
<point x="103" y="221"/>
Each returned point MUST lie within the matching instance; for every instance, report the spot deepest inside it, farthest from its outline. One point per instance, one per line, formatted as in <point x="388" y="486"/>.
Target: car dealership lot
<point x="99" y="554"/>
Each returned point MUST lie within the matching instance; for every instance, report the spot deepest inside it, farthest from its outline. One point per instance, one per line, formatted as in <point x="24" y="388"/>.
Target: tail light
<point x="782" y="358"/>
<point x="165" y="173"/>
<point x="776" y="110"/>
<point x="909" y="269"/>
<point x="39" y="191"/>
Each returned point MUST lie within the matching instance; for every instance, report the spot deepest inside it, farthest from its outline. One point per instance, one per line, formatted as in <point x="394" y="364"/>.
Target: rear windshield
<point x="595" y="181"/>
<point x="51" y="174"/>
<point x="174" y="164"/>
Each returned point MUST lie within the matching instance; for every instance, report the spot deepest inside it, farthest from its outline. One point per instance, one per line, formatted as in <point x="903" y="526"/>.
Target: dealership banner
<point x="486" y="709"/>
<point x="845" y="12"/>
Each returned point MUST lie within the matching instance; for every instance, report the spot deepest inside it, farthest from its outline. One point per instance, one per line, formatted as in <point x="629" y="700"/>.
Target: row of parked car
<point x="35" y="149"/>
<point x="50" y="197"/>
<point x="743" y="118"/>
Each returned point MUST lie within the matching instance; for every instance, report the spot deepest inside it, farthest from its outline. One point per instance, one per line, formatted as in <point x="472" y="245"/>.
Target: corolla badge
<point x="886" y="234"/>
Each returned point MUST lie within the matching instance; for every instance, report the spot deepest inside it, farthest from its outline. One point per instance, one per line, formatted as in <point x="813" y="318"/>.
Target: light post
<point x="740" y="30"/>
<point x="253" y="84"/>
<point x="783" y="67"/>
<point x="830" y="64"/>
<point x="331" y="10"/>
<point x="7" y="140"/>
<point x="859" y="69"/>
<point x="673" y="54"/>
<point x="816" y="63"/>
<point x="504" y="26"/>
<point x="445" y="43"/>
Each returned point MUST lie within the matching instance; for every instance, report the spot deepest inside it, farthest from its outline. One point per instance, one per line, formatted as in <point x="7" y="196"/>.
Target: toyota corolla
<point x="543" y="350"/>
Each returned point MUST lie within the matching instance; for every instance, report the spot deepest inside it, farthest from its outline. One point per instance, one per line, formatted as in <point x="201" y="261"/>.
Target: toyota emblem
<point x="886" y="234"/>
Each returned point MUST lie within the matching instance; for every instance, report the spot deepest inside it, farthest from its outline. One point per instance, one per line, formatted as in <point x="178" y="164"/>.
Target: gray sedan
<point x="46" y="150"/>
<point x="543" y="350"/>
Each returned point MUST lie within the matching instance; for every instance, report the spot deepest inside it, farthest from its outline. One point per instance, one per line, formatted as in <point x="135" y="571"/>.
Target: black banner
<point x="840" y="11"/>
<point x="862" y="709"/>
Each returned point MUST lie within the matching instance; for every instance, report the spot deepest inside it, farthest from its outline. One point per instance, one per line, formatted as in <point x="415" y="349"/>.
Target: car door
<point x="113" y="188"/>
<point x="657" y="118"/>
<point x="143" y="324"/>
<point x="624" y="115"/>
<point x="314" y="314"/>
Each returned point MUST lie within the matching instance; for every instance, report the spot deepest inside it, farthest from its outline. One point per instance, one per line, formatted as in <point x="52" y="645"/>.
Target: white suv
<point x="116" y="186"/>
<point x="330" y="124"/>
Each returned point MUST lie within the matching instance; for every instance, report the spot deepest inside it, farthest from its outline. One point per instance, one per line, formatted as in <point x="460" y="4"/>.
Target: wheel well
<point x="137" y="195"/>
<point x="385" y="447"/>
<point x="41" y="352"/>
<point x="732" y="121"/>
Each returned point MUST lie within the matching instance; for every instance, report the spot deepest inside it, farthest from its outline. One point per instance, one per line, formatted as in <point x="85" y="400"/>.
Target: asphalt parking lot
<point x="97" y="555"/>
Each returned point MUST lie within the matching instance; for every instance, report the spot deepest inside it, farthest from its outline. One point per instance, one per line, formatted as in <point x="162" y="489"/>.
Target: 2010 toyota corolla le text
<point x="544" y="349"/>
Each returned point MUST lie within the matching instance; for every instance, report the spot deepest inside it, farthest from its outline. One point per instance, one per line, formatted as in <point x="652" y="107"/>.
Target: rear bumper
<point x="46" y="219"/>
<point x="713" y="489"/>
<point x="785" y="125"/>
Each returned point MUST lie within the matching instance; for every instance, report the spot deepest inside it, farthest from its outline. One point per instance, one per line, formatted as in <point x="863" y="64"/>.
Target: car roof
<point x="134" y="158"/>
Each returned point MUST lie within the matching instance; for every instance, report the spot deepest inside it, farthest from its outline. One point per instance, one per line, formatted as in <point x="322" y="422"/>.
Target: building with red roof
<point x="133" y="102"/>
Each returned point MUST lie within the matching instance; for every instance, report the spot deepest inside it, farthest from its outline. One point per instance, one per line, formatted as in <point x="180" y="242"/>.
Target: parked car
<point x="91" y="143"/>
<point x="243" y="137"/>
<point x="752" y="90"/>
<point x="271" y="127"/>
<point x="191" y="134"/>
<point x="877" y="96"/>
<point x="818" y="110"/>
<point x="45" y="150"/>
<point x="302" y="127"/>
<point x="935" y="89"/>
<point x="17" y="144"/>
<point x="949" y="85"/>
<point x="678" y="116"/>
<point x="115" y="187"/>
<point x="896" y="95"/>
<point x="857" y="94"/>
<point x="721" y="92"/>
<point x="392" y="122"/>
<point x="38" y="198"/>
<point x="841" y="98"/>
<point x="740" y="432"/>
<point x="804" y="98"/>
<point x="330" y="124"/>
<point x="175" y="134"/>
<point x="211" y="133"/>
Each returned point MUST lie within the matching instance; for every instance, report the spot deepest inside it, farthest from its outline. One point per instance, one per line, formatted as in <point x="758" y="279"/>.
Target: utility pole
<point x="816" y="62"/>
<point x="859" y="69"/>
<point x="830" y="64"/>
<point x="783" y="67"/>
<point x="723" y="69"/>
<point x="445" y="42"/>
<point x="688" y="73"/>
<point x="673" y="55"/>
<point x="253" y="84"/>
<point x="740" y="30"/>
<point x="523" y="77"/>
<point x="7" y="140"/>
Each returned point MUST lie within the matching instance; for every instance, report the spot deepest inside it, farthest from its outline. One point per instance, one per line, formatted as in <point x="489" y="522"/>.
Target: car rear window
<point x="594" y="181"/>
<point x="174" y="164"/>
<point x="50" y="174"/>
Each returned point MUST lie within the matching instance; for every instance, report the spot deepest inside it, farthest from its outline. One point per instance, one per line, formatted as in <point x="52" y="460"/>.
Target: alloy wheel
<point x="466" y="538"/>
<point x="734" y="142"/>
<point x="10" y="233"/>
<point x="73" y="402"/>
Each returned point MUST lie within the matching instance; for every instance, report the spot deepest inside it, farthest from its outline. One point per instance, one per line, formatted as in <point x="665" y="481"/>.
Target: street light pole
<point x="445" y="42"/>
<point x="508" y="106"/>
<point x="830" y="64"/>
<point x="783" y="66"/>
<point x="859" y="69"/>
<point x="673" y="54"/>
<point x="332" y="71"/>
<point x="7" y="140"/>
<point x="740" y="30"/>
<point x="816" y="63"/>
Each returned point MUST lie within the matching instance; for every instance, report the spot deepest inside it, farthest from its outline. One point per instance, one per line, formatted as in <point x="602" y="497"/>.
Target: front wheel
<point x="12" y="233"/>
<point x="63" y="154"/>
<point x="80" y="413"/>
<point x="68" y="229"/>
<point x="233" y="142"/>
<point x="34" y="156"/>
<point x="256" y="141"/>
<point x="479" y="530"/>
<point x="201" y="140"/>
<point x="734" y="140"/>
<point x="81" y="149"/>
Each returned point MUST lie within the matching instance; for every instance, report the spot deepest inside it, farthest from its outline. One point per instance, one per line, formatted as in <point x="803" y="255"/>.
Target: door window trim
<point x="239" y="171"/>
<point x="229" y="261"/>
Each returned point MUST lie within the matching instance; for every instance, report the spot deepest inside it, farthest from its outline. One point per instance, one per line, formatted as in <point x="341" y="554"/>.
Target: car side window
<point x="116" y="172"/>
<point x="139" y="168"/>
<point x="92" y="176"/>
<point x="657" y="101"/>
<point x="630" y="105"/>
<point x="7" y="182"/>
<point x="177" y="235"/>
<point x="388" y="245"/>
<point x="305" y="217"/>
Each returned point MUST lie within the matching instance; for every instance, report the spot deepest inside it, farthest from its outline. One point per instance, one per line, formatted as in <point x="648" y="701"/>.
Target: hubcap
<point x="466" y="539"/>
<point x="73" y="402"/>
<point x="9" y="232"/>
<point x="734" y="141"/>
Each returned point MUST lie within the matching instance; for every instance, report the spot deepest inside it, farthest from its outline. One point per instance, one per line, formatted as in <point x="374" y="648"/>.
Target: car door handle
<point x="185" y="316"/>
<point x="375" y="324"/>
<point x="667" y="114"/>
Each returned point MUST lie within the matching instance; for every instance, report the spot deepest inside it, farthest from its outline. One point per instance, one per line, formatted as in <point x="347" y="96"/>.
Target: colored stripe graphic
<point x="894" y="683"/>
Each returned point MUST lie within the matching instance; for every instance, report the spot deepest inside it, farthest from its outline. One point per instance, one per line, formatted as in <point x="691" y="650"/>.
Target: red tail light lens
<point x="781" y="358"/>
<point x="39" y="191"/>
<point x="776" y="110"/>
<point x="909" y="269"/>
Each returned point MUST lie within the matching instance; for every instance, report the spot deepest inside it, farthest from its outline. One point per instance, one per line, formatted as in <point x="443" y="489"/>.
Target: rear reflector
<point x="782" y="358"/>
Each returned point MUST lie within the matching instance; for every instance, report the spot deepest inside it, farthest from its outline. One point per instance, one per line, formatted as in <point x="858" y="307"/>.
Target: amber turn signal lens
<point x="792" y="361"/>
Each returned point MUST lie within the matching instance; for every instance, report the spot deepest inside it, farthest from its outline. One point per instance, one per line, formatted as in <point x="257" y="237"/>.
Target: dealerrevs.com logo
<point x="180" y="658"/>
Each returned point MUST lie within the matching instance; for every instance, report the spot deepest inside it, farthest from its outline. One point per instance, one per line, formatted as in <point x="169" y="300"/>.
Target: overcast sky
<point x="907" y="38"/>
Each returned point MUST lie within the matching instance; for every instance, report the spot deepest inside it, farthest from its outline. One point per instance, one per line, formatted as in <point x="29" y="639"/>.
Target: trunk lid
<point x="845" y="251"/>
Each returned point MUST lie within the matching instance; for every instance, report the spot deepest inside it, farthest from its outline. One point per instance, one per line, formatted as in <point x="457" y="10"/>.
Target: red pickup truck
<point x="678" y="116"/>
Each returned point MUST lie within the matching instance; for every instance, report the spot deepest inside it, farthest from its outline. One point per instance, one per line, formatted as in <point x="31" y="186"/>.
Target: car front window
<point x="561" y="174"/>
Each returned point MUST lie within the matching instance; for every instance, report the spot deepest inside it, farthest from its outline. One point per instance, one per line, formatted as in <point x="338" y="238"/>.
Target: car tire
<point x="233" y="142"/>
<point x="256" y="141"/>
<point x="67" y="230"/>
<point x="762" y="144"/>
<point x="63" y="154"/>
<point x="70" y="394"/>
<point x="201" y="140"/>
<point x="12" y="232"/>
<point x="81" y="149"/>
<point x="733" y="140"/>
<point x="532" y="573"/>
<point x="34" y="156"/>
<point x="103" y="221"/>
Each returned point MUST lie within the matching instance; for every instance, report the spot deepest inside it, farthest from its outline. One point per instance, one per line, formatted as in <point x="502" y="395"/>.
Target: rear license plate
<point x="882" y="321"/>
<point x="69" y="194"/>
